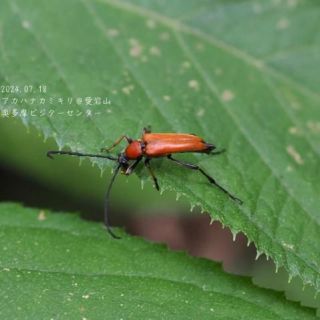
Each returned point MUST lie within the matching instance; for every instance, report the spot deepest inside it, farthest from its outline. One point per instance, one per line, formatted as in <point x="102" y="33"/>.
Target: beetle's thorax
<point x="134" y="149"/>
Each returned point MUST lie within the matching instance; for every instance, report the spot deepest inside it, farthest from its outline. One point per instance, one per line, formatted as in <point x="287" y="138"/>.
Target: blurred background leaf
<point x="66" y="268"/>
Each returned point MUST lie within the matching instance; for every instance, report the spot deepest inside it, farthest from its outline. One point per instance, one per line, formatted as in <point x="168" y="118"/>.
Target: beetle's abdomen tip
<point x="210" y="146"/>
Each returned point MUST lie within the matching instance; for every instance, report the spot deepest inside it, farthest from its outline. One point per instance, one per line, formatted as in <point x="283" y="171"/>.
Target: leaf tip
<point x="258" y="255"/>
<point x="234" y="235"/>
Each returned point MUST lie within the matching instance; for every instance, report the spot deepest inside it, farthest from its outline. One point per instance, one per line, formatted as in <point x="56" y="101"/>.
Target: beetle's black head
<point x="123" y="162"/>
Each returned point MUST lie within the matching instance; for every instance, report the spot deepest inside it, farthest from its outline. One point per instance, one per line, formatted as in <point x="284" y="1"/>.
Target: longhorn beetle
<point x="152" y="145"/>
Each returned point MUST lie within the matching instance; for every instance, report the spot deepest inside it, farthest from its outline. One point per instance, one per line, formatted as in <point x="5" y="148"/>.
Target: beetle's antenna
<point x="79" y="154"/>
<point x="106" y="202"/>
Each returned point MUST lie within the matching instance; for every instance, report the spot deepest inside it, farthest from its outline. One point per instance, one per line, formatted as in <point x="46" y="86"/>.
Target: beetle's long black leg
<point x="116" y="143"/>
<point x="79" y="154"/>
<point x="147" y="164"/>
<point x="211" y="180"/>
<point x="131" y="168"/>
<point x="106" y="202"/>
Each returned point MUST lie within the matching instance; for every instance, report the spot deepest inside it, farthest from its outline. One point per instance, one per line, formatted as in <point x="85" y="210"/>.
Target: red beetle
<point x="152" y="145"/>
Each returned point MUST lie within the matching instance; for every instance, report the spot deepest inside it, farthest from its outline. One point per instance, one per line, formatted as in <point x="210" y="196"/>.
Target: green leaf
<point x="60" y="267"/>
<point x="241" y="74"/>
